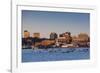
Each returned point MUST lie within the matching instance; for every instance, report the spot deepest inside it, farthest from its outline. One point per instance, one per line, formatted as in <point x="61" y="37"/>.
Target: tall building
<point x="26" y="34"/>
<point x="53" y="36"/>
<point x="36" y="35"/>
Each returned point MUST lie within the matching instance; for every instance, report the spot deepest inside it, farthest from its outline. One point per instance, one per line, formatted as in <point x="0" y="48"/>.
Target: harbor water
<point x="55" y="54"/>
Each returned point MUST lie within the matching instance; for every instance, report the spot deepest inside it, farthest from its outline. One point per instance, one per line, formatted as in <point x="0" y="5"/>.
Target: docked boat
<point x="68" y="46"/>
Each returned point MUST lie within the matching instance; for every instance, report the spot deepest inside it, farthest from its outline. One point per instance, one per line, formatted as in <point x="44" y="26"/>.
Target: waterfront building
<point x="82" y="40"/>
<point x="61" y="40"/>
<point x="83" y="37"/>
<point x="26" y="34"/>
<point x="36" y="35"/>
<point x="66" y="34"/>
<point x="66" y="37"/>
<point x="53" y="36"/>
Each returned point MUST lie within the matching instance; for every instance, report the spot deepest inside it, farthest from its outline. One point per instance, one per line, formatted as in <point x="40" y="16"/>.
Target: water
<point x="55" y="54"/>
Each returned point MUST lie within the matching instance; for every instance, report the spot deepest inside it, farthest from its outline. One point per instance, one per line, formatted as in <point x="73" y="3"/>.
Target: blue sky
<point x="59" y="22"/>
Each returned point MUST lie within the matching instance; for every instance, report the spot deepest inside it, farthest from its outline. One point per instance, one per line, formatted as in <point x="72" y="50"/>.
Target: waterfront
<point x="55" y="54"/>
<point x="63" y="36"/>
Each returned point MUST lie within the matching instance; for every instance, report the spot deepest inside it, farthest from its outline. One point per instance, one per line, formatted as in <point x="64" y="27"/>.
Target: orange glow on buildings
<point x="36" y="35"/>
<point x="82" y="37"/>
<point x="26" y="34"/>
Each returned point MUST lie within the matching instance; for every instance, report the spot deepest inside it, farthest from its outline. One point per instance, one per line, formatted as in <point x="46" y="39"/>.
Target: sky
<point x="46" y="22"/>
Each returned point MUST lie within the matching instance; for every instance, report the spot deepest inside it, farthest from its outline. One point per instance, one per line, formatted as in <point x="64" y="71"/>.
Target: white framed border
<point x="18" y="66"/>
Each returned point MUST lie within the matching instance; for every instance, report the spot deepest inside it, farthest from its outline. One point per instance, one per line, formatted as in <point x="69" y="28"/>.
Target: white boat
<point x="67" y="46"/>
<point x="64" y="46"/>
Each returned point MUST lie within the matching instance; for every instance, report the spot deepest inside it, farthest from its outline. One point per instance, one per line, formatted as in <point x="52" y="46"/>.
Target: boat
<point x="68" y="46"/>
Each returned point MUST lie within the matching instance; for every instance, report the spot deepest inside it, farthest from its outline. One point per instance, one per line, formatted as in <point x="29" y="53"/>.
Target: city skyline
<point x="46" y="22"/>
<point x="37" y="34"/>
